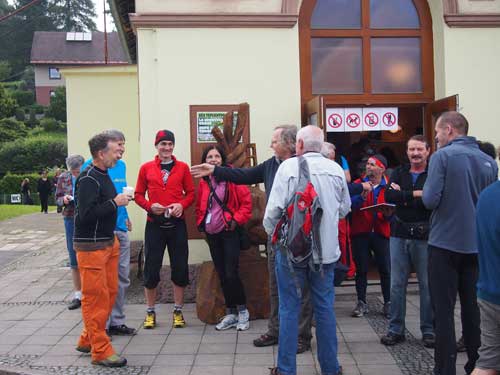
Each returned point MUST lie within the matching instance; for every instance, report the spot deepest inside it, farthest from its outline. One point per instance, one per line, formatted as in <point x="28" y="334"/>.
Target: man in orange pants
<point x="97" y="248"/>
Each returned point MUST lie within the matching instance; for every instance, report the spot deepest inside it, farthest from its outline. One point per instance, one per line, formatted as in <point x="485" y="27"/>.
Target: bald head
<point x="309" y="139"/>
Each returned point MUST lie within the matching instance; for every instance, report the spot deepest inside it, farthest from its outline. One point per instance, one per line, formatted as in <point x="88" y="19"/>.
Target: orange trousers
<point x="99" y="276"/>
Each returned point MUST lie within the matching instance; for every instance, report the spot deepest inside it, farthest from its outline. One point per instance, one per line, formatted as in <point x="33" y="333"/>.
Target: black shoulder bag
<point x="242" y="232"/>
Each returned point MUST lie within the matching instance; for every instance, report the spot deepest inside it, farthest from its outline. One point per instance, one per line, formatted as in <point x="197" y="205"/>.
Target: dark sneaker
<point x="121" y="330"/>
<point x="83" y="349"/>
<point x="265" y="340"/>
<point x="360" y="310"/>
<point x="340" y="371"/>
<point x="112" y="361"/>
<point x="274" y="371"/>
<point x="428" y="340"/>
<point x="303" y="346"/>
<point x="74" y="304"/>
<point x="392" y="339"/>
<point x="387" y="310"/>
<point x="461" y="345"/>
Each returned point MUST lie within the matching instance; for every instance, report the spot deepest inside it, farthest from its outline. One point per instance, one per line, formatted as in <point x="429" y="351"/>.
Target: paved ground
<point x="38" y="333"/>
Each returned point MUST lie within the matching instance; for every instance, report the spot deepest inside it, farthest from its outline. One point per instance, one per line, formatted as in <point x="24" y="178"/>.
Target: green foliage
<point x="57" y="107"/>
<point x="74" y="15"/>
<point x="38" y="109"/>
<point x="20" y="115"/>
<point x="28" y="79"/>
<point x="23" y="98"/>
<point x="8" y="105"/>
<point x="11" y="130"/>
<point x="11" y="183"/>
<point x="50" y="124"/>
<point x="5" y="70"/>
<point x="32" y="121"/>
<point x="33" y="154"/>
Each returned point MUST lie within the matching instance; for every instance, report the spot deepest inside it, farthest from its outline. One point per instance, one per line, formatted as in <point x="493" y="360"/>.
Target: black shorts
<point x="156" y="238"/>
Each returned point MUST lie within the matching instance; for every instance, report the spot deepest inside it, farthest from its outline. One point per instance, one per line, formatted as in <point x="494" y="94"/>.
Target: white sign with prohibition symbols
<point x="371" y="119"/>
<point x="335" y="120"/>
<point x="389" y="118"/>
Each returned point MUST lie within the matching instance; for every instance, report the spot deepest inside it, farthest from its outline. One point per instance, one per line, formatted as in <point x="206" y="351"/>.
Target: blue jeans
<point x="322" y="296"/>
<point x="69" y="227"/>
<point x="404" y="253"/>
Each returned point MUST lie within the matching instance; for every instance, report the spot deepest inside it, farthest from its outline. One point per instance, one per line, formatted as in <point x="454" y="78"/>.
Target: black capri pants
<point x="174" y="238"/>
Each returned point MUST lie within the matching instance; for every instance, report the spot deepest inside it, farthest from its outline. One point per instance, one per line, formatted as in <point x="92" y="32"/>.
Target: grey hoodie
<point x="458" y="173"/>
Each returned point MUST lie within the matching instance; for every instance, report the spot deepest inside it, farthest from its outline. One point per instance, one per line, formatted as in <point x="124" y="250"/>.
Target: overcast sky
<point x="100" y="18"/>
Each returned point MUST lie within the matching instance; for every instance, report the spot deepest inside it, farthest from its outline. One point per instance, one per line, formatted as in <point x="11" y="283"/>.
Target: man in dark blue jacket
<point x="488" y="292"/>
<point x="458" y="172"/>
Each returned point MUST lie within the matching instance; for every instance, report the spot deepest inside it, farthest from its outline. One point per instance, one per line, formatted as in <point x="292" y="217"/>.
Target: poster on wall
<point x="389" y="118"/>
<point x="335" y="119"/>
<point x="371" y="119"/>
<point x="205" y="121"/>
<point x="353" y="118"/>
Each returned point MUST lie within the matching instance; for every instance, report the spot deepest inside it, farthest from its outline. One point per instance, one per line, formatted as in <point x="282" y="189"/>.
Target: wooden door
<point x="433" y="111"/>
<point x="314" y="112"/>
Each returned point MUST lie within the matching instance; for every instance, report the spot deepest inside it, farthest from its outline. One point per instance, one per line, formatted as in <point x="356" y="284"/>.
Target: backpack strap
<point x="219" y="202"/>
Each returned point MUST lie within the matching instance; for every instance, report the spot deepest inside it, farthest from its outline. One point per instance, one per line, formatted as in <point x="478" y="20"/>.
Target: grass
<point x="8" y="211"/>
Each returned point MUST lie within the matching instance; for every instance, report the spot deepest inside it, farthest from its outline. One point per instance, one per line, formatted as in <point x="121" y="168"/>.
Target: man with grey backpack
<point x="309" y="191"/>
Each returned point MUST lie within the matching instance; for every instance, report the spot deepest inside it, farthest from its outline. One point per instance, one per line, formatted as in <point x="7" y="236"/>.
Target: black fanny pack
<point x="417" y="230"/>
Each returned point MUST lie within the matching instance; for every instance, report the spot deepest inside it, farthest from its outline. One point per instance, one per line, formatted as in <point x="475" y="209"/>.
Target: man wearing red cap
<point x="370" y="231"/>
<point x="170" y="191"/>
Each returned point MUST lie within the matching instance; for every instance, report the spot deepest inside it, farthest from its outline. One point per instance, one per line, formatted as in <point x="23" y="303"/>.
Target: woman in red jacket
<point x="220" y="207"/>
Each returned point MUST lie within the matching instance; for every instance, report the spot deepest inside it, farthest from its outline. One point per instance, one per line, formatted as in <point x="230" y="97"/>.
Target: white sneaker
<point x="229" y="321"/>
<point x="243" y="320"/>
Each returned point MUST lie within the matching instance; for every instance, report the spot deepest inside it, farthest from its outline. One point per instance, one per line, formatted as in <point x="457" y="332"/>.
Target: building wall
<point x="207" y="6"/>
<point x="44" y="85"/>
<point x="182" y="67"/>
<point x="100" y="98"/>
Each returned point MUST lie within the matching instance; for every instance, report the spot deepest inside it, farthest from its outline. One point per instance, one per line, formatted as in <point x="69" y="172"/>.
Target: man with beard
<point x="408" y="242"/>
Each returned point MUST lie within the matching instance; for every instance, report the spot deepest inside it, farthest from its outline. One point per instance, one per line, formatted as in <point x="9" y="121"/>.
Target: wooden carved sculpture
<point x="253" y="267"/>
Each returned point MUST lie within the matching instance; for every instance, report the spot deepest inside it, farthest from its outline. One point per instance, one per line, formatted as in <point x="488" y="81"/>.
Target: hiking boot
<point x="74" y="304"/>
<point x="265" y="340"/>
<point x="83" y="349"/>
<point x="360" y="310"/>
<point x="243" y="320"/>
<point x="392" y="339"/>
<point x="461" y="345"/>
<point x="112" y="361"/>
<point x="150" y="320"/>
<point x="303" y="346"/>
<point x="179" y="321"/>
<point x="429" y="340"/>
<point x="121" y="330"/>
<point x="386" y="311"/>
<point x="227" y="322"/>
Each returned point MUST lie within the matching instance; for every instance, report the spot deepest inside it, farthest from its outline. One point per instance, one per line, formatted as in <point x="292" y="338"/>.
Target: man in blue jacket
<point x="458" y="172"/>
<point x="488" y="292"/>
<point x="123" y="226"/>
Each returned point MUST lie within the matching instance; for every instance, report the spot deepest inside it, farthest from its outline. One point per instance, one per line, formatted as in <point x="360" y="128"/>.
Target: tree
<point x="57" y="107"/>
<point x="74" y="15"/>
<point x="11" y="130"/>
<point x="5" y="70"/>
<point x="8" y="105"/>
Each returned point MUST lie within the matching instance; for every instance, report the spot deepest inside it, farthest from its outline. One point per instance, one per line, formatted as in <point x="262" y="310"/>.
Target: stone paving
<point x="38" y="334"/>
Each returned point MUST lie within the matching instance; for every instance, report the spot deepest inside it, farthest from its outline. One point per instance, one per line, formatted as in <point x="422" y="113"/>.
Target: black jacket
<point x="95" y="210"/>
<point x="408" y="208"/>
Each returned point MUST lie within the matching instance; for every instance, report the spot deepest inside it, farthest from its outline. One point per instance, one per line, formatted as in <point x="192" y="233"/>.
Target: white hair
<point x="312" y="136"/>
<point x="328" y="149"/>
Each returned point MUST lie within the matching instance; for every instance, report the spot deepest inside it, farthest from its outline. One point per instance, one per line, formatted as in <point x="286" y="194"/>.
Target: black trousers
<point x="450" y="272"/>
<point x="362" y="247"/>
<point x="175" y="239"/>
<point x="44" y="202"/>
<point x="225" y="252"/>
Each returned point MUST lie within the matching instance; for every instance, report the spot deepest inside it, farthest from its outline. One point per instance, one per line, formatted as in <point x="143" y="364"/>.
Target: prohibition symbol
<point x="353" y="120"/>
<point x="334" y="120"/>
<point x="371" y="119"/>
<point x="389" y="119"/>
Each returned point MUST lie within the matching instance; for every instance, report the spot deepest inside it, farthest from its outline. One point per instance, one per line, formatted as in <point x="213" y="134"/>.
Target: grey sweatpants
<point x="117" y="316"/>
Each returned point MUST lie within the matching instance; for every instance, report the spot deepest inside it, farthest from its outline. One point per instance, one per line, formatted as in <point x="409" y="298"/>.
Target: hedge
<point x="32" y="154"/>
<point x="11" y="183"/>
<point x="23" y="98"/>
<point x="11" y="129"/>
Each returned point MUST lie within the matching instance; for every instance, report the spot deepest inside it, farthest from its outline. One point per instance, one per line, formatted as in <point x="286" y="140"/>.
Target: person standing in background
<point x="44" y="189"/>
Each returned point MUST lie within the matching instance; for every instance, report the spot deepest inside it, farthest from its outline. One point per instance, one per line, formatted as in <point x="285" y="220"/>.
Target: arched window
<point x="366" y="51"/>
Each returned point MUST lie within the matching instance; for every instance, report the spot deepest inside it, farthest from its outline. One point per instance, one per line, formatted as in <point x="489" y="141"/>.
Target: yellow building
<point x="293" y="62"/>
